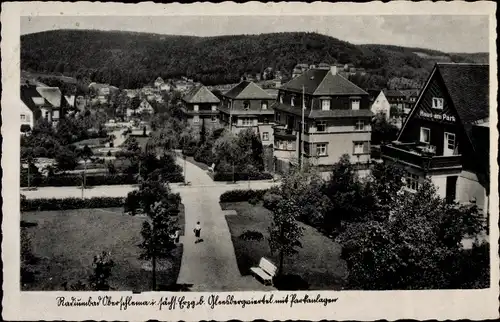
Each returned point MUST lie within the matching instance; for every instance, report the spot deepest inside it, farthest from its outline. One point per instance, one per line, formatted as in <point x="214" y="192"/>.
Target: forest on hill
<point x="132" y="60"/>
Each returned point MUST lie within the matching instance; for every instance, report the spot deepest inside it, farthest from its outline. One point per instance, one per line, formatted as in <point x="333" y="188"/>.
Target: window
<point x="437" y="103"/>
<point x="321" y="149"/>
<point x="359" y="147"/>
<point x="265" y="136"/>
<point x="23" y="117"/>
<point x="292" y="101"/>
<point x="278" y="116"/>
<point x="214" y="119"/>
<point x="266" y="120"/>
<point x="355" y="104"/>
<point x="289" y="146"/>
<point x="263" y="105"/>
<point x="195" y="108"/>
<point x="425" y="135"/>
<point x="360" y="125"/>
<point x="246" y="105"/>
<point x="46" y="114"/>
<point x="325" y="105"/>
<point x="247" y="122"/>
<point x="321" y="126"/>
<point x="412" y="181"/>
<point x="281" y="99"/>
<point x="196" y="119"/>
<point x="214" y="108"/>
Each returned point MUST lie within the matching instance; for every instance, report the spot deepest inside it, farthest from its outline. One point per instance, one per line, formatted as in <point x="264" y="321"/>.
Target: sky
<point x="447" y="33"/>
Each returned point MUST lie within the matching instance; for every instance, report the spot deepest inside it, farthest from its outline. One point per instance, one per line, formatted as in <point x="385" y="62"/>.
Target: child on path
<point x="197" y="232"/>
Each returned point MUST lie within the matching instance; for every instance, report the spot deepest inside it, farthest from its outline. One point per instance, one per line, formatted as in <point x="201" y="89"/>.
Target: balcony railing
<point x="418" y="156"/>
<point x="283" y="132"/>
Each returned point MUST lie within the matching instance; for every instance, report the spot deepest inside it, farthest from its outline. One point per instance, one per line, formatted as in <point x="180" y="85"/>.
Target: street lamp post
<point x="184" y="157"/>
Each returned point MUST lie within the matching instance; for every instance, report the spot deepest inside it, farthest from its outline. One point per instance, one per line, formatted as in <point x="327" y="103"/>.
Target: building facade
<point x="248" y="106"/>
<point x="40" y="102"/>
<point x="336" y="120"/>
<point x="200" y="108"/>
<point x="446" y="135"/>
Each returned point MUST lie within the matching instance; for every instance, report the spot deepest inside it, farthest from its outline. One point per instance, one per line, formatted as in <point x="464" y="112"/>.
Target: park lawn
<point x="318" y="261"/>
<point x="66" y="241"/>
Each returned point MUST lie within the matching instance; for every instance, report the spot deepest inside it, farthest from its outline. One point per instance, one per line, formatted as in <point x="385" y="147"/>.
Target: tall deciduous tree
<point x="414" y="247"/>
<point x="157" y="202"/>
<point x="285" y="231"/>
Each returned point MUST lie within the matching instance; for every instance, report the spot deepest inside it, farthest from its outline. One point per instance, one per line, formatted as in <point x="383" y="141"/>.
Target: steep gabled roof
<point x="468" y="86"/>
<point x="52" y="95"/>
<point x="247" y="90"/>
<point x="200" y="94"/>
<point x="29" y="95"/>
<point x="322" y="82"/>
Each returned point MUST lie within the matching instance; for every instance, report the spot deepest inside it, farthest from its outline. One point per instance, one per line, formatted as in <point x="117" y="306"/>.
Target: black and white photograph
<point x="255" y="153"/>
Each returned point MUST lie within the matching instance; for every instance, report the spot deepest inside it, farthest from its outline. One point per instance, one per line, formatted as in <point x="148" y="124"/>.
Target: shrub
<point x="270" y="200"/>
<point x="189" y="151"/>
<point x="252" y="235"/>
<point x="239" y="176"/>
<point x="242" y="195"/>
<point x="254" y="200"/>
<point x="73" y="180"/>
<point x="71" y="203"/>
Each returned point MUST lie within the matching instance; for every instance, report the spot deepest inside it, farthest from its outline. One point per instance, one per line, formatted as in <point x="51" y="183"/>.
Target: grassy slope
<point x="318" y="262"/>
<point x="66" y="241"/>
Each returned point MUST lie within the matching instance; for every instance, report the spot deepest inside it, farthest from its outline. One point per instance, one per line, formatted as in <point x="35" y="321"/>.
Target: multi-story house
<point x="200" y="108"/>
<point x="446" y="135"/>
<point x="336" y="120"/>
<point x="40" y="102"/>
<point x="248" y="106"/>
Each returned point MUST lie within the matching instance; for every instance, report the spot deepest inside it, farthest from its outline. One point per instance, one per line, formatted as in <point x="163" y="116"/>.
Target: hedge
<point x="74" y="180"/>
<point x="242" y="176"/>
<point x="242" y="195"/>
<point x="71" y="203"/>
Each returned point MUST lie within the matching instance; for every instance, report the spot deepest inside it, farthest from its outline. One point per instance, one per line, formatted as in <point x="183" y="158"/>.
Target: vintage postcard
<point x="249" y="161"/>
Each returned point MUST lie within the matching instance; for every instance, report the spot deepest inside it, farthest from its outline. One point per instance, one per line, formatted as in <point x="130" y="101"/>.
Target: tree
<point x="346" y="195"/>
<point x="102" y="266"/>
<point x="135" y="103"/>
<point x="157" y="202"/>
<point x="66" y="159"/>
<point x="285" y="231"/>
<point x="85" y="154"/>
<point x="415" y="246"/>
<point x="227" y="152"/>
<point x="382" y="130"/>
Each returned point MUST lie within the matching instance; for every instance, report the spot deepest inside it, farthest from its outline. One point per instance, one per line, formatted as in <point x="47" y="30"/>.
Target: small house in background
<point x="40" y="102"/>
<point x="446" y="135"/>
<point x="381" y="105"/>
<point x="199" y="107"/>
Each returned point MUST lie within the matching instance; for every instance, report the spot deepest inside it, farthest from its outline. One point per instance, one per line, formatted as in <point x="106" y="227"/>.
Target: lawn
<point x="66" y="241"/>
<point x="318" y="262"/>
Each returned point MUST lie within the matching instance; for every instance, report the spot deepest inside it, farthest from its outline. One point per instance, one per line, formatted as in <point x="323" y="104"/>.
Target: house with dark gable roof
<point x="336" y="120"/>
<point x="200" y="107"/>
<point x="446" y="134"/>
<point x="40" y="102"/>
<point x="245" y="106"/>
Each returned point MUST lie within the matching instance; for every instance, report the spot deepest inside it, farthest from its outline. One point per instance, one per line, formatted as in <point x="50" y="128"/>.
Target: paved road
<point x="207" y="266"/>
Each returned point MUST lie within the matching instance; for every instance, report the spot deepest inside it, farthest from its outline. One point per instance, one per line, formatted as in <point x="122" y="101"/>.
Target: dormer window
<point x="246" y="105"/>
<point x="355" y="104"/>
<point x="195" y="108"/>
<point x="437" y="103"/>
<point x="325" y="105"/>
<point x="214" y="108"/>
<point x="263" y="105"/>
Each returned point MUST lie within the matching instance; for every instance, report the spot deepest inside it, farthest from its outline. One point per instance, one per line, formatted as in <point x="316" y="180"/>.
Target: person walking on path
<point x="197" y="232"/>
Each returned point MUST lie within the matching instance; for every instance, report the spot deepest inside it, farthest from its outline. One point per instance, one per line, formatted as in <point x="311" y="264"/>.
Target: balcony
<point x="282" y="132"/>
<point x="421" y="156"/>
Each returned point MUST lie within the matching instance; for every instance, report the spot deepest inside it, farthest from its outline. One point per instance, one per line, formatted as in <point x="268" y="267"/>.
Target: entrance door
<point x="451" y="188"/>
<point x="449" y="144"/>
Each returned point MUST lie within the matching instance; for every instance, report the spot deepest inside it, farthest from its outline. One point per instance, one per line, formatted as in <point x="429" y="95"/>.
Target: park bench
<point x="266" y="271"/>
<point x="211" y="168"/>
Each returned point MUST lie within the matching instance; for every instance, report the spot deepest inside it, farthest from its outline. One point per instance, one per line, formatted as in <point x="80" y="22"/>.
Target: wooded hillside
<point x="131" y="60"/>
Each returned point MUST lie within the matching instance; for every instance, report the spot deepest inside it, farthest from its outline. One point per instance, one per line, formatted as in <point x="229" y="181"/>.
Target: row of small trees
<point x="391" y="238"/>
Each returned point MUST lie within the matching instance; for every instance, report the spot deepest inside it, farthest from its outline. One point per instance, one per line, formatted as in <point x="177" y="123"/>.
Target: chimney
<point x="333" y="69"/>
